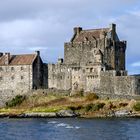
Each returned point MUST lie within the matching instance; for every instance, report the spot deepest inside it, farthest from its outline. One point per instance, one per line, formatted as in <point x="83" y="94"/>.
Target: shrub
<point x="98" y="106"/>
<point x="17" y="100"/>
<point x="94" y="107"/>
<point x="123" y="104"/>
<point x="74" y="108"/>
<point x="137" y="106"/>
<point x="88" y="107"/>
<point x="91" y="97"/>
<point x="79" y="93"/>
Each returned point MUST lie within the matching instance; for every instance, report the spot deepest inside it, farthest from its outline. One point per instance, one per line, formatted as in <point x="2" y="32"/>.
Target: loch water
<point x="70" y="129"/>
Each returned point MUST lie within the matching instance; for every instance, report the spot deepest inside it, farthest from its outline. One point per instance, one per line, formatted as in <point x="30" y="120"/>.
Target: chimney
<point x="77" y="30"/>
<point x="113" y="31"/>
<point x="37" y="53"/>
<point x="7" y="58"/>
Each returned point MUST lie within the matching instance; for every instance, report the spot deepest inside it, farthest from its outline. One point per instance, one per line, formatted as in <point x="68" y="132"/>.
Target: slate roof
<point x="90" y="34"/>
<point x="25" y="59"/>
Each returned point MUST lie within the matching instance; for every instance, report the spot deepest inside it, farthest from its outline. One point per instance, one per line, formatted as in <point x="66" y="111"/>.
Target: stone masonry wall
<point x="119" y="85"/>
<point x="59" y="76"/>
<point x="80" y="53"/>
<point x="15" y="80"/>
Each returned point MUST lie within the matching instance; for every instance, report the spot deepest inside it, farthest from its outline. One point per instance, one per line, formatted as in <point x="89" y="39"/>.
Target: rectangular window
<point x="1" y="78"/>
<point x="91" y="69"/>
<point x="22" y="77"/>
<point x="12" y="68"/>
<point x="21" y="68"/>
<point x="12" y="77"/>
<point x="1" y="69"/>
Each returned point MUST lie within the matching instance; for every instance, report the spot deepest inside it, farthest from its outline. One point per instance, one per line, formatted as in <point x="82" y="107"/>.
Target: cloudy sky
<point x="29" y="25"/>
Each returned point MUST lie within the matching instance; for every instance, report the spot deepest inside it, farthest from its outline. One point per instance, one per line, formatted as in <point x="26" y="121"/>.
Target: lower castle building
<point x="94" y="61"/>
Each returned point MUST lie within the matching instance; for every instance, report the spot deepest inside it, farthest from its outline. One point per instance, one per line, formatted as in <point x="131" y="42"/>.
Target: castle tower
<point x="115" y="51"/>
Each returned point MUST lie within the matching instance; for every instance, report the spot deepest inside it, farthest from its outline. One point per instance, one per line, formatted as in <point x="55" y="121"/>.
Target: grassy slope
<point x="86" y="106"/>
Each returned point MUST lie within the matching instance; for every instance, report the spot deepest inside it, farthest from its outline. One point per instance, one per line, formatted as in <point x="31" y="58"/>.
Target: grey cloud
<point x="43" y="24"/>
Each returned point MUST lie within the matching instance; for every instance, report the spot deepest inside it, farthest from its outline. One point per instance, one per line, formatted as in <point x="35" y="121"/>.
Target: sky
<point x="30" y="25"/>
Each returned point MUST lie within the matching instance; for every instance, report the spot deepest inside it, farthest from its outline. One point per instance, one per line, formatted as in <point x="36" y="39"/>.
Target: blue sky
<point x="29" y="25"/>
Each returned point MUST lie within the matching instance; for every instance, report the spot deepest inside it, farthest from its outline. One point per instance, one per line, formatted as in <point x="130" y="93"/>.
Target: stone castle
<point x="94" y="61"/>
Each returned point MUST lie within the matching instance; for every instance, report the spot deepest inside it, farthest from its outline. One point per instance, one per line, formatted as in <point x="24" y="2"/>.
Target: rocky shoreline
<point x="71" y="114"/>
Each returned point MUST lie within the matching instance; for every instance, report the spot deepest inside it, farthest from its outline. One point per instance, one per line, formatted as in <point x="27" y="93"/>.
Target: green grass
<point x="46" y="109"/>
<point x="137" y="106"/>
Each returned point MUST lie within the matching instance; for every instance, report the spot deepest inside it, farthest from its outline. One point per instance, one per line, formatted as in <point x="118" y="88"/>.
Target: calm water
<point x="69" y="129"/>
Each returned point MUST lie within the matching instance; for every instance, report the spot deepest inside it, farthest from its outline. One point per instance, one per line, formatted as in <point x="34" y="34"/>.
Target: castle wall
<point x="92" y="74"/>
<point x="78" y="78"/>
<point x="15" y="80"/>
<point x="59" y="76"/>
<point x="80" y="52"/>
<point x="119" y="85"/>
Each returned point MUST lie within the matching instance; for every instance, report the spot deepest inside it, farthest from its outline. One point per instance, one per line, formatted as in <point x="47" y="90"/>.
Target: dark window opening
<point x="12" y="68"/>
<point x="91" y="69"/>
<point x="1" y="69"/>
<point x="83" y="71"/>
<point x="1" y="78"/>
<point x="22" y="68"/>
<point x="12" y="77"/>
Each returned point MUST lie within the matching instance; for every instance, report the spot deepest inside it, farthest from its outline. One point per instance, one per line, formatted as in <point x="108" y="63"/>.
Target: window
<point x="1" y="69"/>
<point x="12" y="68"/>
<point x="1" y="78"/>
<point x="21" y="68"/>
<point x="91" y="69"/>
<point x="22" y="77"/>
<point x="12" y="77"/>
<point x="83" y="71"/>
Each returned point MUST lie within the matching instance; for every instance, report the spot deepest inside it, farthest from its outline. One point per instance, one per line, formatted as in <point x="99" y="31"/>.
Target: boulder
<point x="122" y="113"/>
<point x="66" y="113"/>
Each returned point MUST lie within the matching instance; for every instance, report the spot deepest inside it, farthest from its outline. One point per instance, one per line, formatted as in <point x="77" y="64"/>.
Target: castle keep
<point x="94" y="61"/>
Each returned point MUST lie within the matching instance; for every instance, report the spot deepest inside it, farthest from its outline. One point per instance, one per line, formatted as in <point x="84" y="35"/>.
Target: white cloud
<point x="136" y="64"/>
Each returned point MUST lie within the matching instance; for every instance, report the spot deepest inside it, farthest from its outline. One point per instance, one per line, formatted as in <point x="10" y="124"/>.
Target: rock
<point x="66" y="113"/>
<point x="122" y="113"/>
<point x="38" y="115"/>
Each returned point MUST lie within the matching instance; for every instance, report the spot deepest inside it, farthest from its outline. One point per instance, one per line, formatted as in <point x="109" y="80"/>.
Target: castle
<point x="94" y="61"/>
